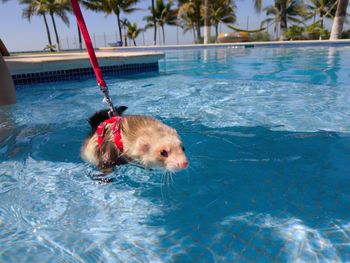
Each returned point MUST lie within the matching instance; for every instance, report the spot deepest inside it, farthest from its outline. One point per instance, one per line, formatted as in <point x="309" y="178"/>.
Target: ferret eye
<point x="164" y="153"/>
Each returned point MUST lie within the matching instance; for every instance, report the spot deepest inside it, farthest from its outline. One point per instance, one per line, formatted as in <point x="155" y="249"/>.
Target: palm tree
<point x="188" y="19"/>
<point x="154" y="23"/>
<point x="339" y="19"/>
<point x="323" y="8"/>
<point x="79" y="38"/>
<point x="125" y="22"/>
<point x="199" y="20"/>
<point x="133" y="32"/>
<point x="151" y="23"/>
<point x="192" y="9"/>
<point x="222" y="11"/>
<point x="163" y="14"/>
<point x="112" y="6"/>
<point x="258" y="6"/>
<point x="59" y="8"/>
<point x="282" y="12"/>
<point x="187" y="22"/>
<point x="39" y="8"/>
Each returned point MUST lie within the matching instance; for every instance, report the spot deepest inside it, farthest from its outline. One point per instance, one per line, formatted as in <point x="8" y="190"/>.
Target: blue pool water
<point x="267" y="133"/>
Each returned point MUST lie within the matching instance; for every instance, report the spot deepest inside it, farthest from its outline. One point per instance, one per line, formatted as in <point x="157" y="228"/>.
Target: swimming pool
<point x="267" y="135"/>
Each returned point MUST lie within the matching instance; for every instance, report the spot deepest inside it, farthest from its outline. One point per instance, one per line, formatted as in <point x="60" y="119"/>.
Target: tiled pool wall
<point x="82" y="73"/>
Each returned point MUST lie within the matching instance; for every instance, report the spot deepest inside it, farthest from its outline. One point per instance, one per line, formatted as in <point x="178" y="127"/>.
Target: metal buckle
<point x="111" y="113"/>
<point x="107" y="99"/>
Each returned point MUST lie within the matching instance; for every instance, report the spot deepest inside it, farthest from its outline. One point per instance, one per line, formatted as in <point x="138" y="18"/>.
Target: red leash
<point x="98" y="73"/>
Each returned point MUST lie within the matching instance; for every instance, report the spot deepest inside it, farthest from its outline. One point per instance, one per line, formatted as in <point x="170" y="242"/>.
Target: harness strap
<point x="115" y="129"/>
<point x="98" y="73"/>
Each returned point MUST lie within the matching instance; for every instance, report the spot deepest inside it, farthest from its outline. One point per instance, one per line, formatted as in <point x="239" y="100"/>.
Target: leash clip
<point x="107" y="99"/>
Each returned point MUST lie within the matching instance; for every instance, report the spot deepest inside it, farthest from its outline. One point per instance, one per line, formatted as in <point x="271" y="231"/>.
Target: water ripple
<point x="7" y="183"/>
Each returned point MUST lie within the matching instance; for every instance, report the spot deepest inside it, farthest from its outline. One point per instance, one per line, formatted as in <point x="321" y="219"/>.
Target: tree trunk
<point x="79" y="37"/>
<point x="194" y="34"/>
<point x="125" y="38"/>
<point x="177" y="34"/>
<point x="155" y="35"/>
<point x="321" y="19"/>
<point x="206" y="21"/>
<point x="216" y="31"/>
<point x="159" y="37"/>
<point x="321" y="25"/>
<point x="154" y="24"/>
<point x="48" y="34"/>
<point x="339" y="19"/>
<point x="134" y="42"/>
<point x="198" y="21"/>
<point x="283" y="19"/>
<point x="163" y="35"/>
<point x="119" y="28"/>
<point x="56" y="34"/>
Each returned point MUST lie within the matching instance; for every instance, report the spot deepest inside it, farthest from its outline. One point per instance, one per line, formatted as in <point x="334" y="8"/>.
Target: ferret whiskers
<point x="171" y="177"/>
<point x="161" y="185"/>
<point x="168" y="179"/>
<point x="165" y="180"/>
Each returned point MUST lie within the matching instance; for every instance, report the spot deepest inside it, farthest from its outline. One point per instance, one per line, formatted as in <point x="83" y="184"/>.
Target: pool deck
<point x="33" y="63"/>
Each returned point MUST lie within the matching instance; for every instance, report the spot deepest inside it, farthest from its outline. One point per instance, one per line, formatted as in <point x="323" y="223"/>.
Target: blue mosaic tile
<point x="81" y="73"/>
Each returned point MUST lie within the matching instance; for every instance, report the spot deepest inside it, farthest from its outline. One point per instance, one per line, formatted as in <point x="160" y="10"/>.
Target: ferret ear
<point x="120" y="110"/>
<point x="143" y="146"/>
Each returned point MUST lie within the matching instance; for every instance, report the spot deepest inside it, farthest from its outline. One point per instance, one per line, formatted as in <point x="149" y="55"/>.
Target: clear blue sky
<point x="20" y="35"/>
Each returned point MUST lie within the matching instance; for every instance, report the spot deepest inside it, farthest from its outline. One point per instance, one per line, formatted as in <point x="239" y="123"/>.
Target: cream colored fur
<point x="143" y="140"/>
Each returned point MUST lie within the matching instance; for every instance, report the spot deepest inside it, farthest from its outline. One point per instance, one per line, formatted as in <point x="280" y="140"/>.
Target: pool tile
<point x="80" y="73"/>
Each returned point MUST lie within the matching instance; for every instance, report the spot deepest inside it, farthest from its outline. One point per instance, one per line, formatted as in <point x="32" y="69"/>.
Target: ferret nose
<point x="183" y="164"/>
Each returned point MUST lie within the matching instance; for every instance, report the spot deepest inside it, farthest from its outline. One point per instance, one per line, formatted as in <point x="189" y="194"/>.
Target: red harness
<point x="115" y="129"/>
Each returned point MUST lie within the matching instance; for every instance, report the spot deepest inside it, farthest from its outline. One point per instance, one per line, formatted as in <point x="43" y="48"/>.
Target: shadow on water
<point x="58" y="142"/>
<point x="256" y="193"/>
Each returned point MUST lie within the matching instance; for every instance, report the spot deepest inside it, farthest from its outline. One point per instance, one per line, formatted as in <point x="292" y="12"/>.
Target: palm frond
<point x="244" y="30"/>
<point x="258" y="5"/>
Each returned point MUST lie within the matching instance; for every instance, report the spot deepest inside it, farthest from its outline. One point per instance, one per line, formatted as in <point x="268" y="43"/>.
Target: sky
<point x="19" y="34"/>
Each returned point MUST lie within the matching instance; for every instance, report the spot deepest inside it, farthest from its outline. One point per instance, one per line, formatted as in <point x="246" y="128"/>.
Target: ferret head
<point x="156" y="145"/>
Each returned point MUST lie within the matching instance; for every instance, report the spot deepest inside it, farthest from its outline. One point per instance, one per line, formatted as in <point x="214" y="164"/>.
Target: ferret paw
<point x="102" y="178"/>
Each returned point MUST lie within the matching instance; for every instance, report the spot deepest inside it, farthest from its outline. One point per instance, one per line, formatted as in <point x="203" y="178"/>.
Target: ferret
<point x="143" y="141"/>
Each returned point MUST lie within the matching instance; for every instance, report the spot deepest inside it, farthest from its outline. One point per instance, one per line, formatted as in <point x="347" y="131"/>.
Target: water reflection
<point x="316" y="65"/>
